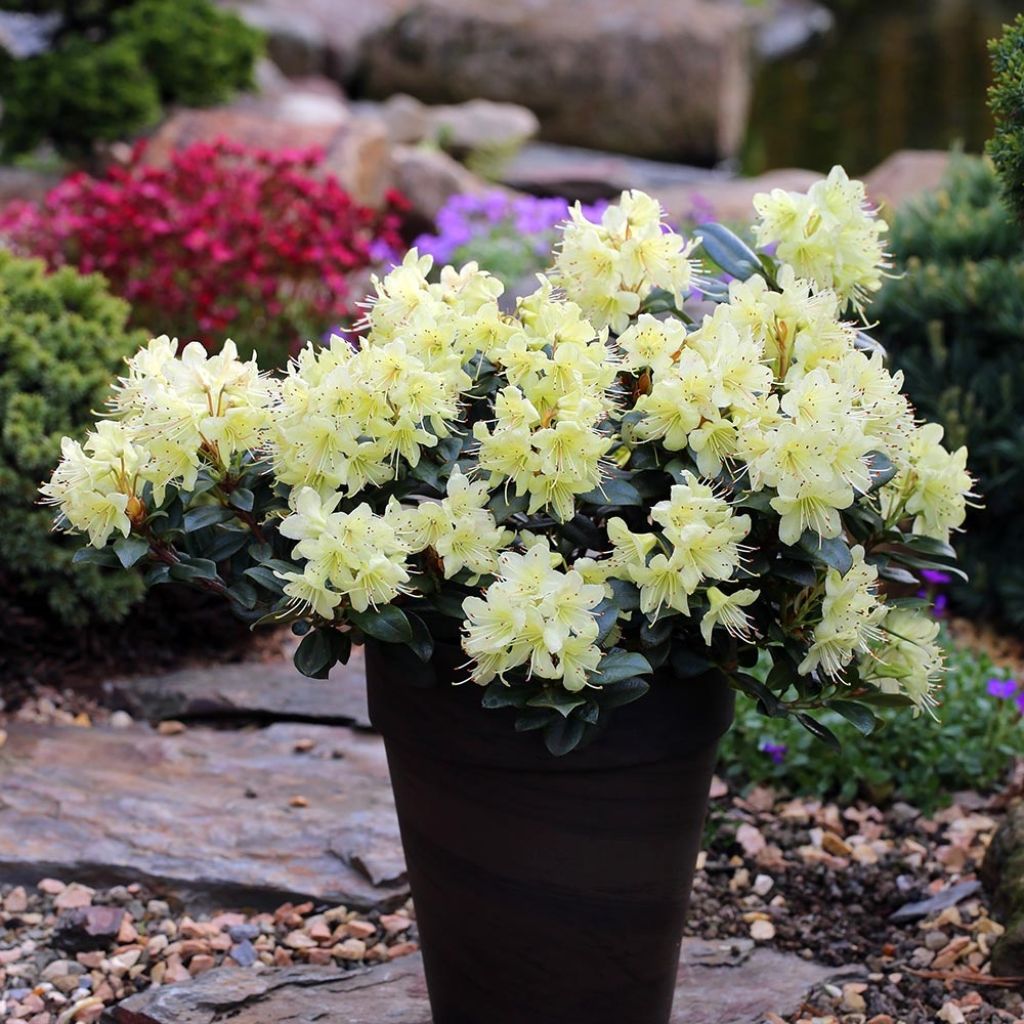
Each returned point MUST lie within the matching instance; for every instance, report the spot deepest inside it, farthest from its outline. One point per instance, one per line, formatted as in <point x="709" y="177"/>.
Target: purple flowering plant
<point x="509" y="235"/>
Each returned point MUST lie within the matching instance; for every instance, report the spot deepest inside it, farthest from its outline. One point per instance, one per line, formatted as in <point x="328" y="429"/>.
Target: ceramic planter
<point x="548" y="890"/>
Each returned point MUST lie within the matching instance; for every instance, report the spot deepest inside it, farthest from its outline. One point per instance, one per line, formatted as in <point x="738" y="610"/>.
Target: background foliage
<point x="952" y="322"/>
<point x="226" y="241"/>
<point x="1006" y="98"/>
<point x="114" y="64"/>
<point x="62" y="340"/>
<point x="918" y="760"/>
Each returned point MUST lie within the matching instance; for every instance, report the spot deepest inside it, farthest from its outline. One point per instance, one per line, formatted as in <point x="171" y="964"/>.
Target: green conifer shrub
<point x="62" y="339"/>
<point x="112" y="67"/>
<point x="1006" y="98"/>
<point x="952" y="322"/>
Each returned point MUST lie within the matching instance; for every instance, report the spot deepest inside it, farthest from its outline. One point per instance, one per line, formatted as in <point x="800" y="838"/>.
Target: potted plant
<point x="594" y="513"/>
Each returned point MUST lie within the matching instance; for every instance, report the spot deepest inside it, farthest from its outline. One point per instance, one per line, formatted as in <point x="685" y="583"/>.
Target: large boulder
<point x="293" y="114"/>
<point x="1002" y="874"/>
<point x="660" y="78"/>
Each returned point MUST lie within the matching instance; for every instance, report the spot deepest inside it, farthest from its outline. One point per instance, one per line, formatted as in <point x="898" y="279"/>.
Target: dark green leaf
<point x="130" y="549"/>
<point x="535" y="718"/>
<point x="314" y="656"/>
<point x="563" y="736"/>
<point x="862" y="718"/>
<point x="618" y="665"/>
<point x="796" y="572"/>
<point x="96" y="556"/>
<point x="206" y="515"/>
<point x="823" y="732"/>
<point x="242" y="498"/>
<point x="422" y="642"/>
<point x="615" y="490"/>
<point x="387" y="623"/>
<point x="500" y="695"/>
<point x="557" y="699"/>
<point x="224" y="544"/>
<point x="244" y="593"/>
<point x="881" y="469"/>
<point x="265" y="578"/>
<point x="504" y="507"/>
<point x="191" y="569"/>
<point x="833" y="551"/>
<point x="626" y="692"/>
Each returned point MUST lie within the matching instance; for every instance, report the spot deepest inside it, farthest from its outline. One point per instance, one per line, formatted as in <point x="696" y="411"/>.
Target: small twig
<point x="967" y="978"/>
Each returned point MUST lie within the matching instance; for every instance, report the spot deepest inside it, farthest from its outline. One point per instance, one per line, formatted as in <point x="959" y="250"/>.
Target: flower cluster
<point x="594" y="486"/>
<point x="175" y="416"/>
<point x="546" y="437"/>
<point x="536" y="613"/>
<point x="610" y="267"/>
<point x="356" y="554"/>
<point x="828" y="235"/>
<point x="224" y="238"/>
<point x="459" y="528"/>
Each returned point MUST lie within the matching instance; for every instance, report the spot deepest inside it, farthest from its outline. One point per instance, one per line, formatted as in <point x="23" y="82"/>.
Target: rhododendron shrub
<point x="223" y="235"/>
<point x="597" y="492"/>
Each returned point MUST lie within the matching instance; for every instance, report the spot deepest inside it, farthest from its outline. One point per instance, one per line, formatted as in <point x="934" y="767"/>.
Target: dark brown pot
<point x="547" y="890"/>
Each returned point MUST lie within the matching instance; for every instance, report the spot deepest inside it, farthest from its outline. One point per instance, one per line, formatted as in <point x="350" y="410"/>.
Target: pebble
<point x="243" y="953"/>
<point x="763" y="884"/>
<point x="121" y="720"/>
<point x="762" y="931"/>
<point x="171" y="728"/>
<point x="935" y="940"/>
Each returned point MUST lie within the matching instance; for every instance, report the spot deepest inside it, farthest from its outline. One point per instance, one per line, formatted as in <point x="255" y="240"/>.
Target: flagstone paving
<point x="718" y="984"/>
<point x="252" y="816"/>
<point x="273" y="690"/>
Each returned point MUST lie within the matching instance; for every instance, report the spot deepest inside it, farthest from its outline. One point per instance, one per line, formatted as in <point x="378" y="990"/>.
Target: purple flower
<point x="776" y="751"/>
<point x="701" y="209"/>
<point x="935" y="578"/>
<point x="1020" y="702"/>
<point x="1002" y="688"/>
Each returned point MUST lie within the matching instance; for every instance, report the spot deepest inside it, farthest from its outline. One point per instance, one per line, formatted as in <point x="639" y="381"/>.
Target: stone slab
<point x="736" y="985"/>
<point x="574" y="172"/>
<point x="246" y="818"/>
<point x="262" y="690"/>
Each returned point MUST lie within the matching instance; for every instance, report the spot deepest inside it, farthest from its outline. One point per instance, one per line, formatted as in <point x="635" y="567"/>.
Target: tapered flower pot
<point x="547" y="890"/>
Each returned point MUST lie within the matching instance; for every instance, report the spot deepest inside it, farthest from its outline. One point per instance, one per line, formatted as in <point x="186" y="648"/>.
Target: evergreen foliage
<point x="62" y="339"/>
<point x="1006" y="98"/>
<point x="952" y="322"/>
<point x="113" y="65"/>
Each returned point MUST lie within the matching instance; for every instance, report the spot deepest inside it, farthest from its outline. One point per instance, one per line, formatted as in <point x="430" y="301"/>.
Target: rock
<point x="1002" y="873"/>
<point x="947" y="897"/>
<point x="25" y="183"/>
<point x="429" y="178"/>
<point x="74" y="897"/>
<point x="88" y="927"/>
<point x="16" y="901"/>
<point x="319" y="36"/>
<point x="575" y="64"/>
<point x="905" y="175"/>
<point x="119" y="805"/>
<point x="309" y="113"/>
<point x="272" y="690"/>
<point x="573" y="172"/>
<point x="395" y="993"/>
<point x="461" y="128"/>
<point x="731" y="199"/>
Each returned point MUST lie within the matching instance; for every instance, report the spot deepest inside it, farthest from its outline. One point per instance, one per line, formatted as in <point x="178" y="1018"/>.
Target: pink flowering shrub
<point x="226" y="240"/>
